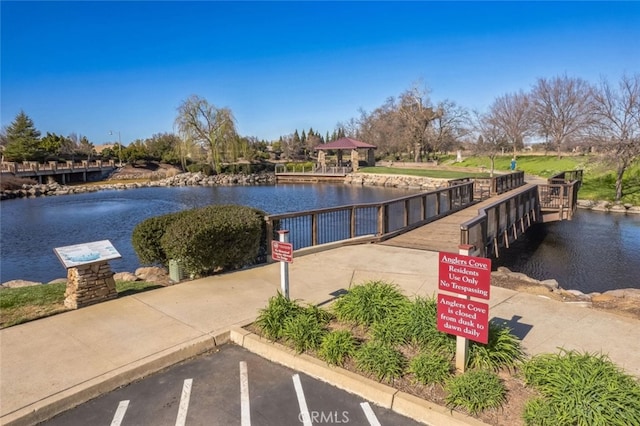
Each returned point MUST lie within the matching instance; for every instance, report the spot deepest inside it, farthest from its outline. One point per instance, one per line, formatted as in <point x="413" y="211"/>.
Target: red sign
<point x="282" y="252"/>
<point x="463" y="317"/>
<point x="467" y="275"/>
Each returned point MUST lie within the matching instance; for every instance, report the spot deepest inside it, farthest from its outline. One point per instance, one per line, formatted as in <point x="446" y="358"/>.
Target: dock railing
<point x="560" y="195"/>
<point x="372" y="221"/>
<point x="501" y="222"/>
<point x="499" y="184"/>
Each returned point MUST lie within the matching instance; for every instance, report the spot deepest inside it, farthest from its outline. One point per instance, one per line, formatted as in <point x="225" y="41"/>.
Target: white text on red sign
<point x="282" y="252"/>
<point x="467" y="275"/>
<point x="463" y="317"/>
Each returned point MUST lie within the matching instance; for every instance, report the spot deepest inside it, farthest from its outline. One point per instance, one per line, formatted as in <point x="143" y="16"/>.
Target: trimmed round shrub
<point x="146" y="237"/>
<point x="221" y="236"/>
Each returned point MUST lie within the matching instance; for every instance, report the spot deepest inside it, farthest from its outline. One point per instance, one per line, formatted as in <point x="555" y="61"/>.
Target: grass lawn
<point x="599" y="178"/>
<point x="22" y="304"/>
<point x="436" y="174"/>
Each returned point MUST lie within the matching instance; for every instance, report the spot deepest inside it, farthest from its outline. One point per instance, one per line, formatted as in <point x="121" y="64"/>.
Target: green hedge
<point x="147" y="235"/>
<point x="203" y="240"/>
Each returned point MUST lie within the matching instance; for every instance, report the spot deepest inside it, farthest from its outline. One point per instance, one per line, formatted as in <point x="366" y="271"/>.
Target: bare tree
<point x="383" y="128"/>
<point x="447" y="127"/>
<point x="561" y="109"/>
<point x="492" y="139"/>
<point x="617" y="123"/>
<point x="512" y="113"/>
<point x="417" y="114"/>
<point x="211" y="127"/>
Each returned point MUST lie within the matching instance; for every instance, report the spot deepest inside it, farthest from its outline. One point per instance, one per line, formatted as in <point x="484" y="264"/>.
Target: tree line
<point x="562" y="113"/>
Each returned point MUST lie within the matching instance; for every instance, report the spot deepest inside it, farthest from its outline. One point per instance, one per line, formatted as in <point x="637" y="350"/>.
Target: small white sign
<point x="82" y="254"/>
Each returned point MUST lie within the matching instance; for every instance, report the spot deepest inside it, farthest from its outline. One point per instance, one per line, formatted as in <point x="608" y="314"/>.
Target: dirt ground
<point x="629" y="307"/>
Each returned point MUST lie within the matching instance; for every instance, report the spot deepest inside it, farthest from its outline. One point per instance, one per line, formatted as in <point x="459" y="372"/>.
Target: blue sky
<point x="92" y="67"/>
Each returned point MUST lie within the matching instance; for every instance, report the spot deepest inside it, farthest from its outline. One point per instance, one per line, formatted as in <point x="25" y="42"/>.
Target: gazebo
<point x="344" y="144"/>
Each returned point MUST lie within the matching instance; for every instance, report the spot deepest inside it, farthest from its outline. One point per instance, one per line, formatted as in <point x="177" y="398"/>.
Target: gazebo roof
<point x="344" y="143"/>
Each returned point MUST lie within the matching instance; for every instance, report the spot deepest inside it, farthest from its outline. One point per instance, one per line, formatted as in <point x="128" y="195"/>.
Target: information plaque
<point x="85" y="253"/>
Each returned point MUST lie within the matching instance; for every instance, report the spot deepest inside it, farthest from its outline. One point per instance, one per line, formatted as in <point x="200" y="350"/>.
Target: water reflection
<point x="32" y="228"/>
<point x="593" y="252"/>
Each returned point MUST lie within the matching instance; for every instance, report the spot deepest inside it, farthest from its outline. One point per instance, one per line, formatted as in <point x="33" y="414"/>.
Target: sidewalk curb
<point x="378" y="393"/>
<point x="55" y="404"/>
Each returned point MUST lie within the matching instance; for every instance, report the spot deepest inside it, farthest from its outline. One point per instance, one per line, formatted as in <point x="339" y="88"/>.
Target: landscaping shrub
<point x="337" y="346"/>
<point x="418" y="322"/>
<point x="502" y="350"/>
<point x="370" y="302"/>
<point x="475" y="391"/>
<point x="147" y="235"/>
<point x="304" y="330"/>
<point x="220" y="236"/>
<point x="272" y="318"/>
<point x="580" y="389"/>
<point x="380" y="359"/>
<point x="204" y="168"/>
<point x="388" y="330"/>
<point x="430" y="368"/>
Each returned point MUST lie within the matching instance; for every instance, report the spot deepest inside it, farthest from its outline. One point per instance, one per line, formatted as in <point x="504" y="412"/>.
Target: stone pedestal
<point x="355" y="160"/>
<point x="89" y="284"/>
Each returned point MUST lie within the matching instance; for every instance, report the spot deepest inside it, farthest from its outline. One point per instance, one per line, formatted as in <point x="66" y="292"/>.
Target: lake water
<point x="31" y="228"/>
<point x="593" y="252"/>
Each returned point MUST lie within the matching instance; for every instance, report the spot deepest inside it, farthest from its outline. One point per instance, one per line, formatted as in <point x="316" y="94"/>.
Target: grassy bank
<point x="436" y="174"/>
<point x="599" y="179"/>
<point x="18" y="305"/>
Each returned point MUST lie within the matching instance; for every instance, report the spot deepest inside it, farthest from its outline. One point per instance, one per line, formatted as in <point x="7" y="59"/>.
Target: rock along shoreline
<point x="182" y="179"/>
<point x="266" y="178"/>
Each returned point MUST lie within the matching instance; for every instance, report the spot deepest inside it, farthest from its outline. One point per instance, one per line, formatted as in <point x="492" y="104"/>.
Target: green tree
<point x="164" y="147"/>
<point x="86" y="148"/>
<point x="23" y="140"/>
<point x="211" y="127"/>
<point x="53" y="144"/>
<point x="136" y="151"/>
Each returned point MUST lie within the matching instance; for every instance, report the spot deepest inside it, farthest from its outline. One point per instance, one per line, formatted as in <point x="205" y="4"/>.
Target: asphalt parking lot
<point x="231" y="386"/>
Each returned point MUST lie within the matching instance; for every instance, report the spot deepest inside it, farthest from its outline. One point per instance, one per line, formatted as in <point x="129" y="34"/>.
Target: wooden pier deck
<point x="444" y="234"/>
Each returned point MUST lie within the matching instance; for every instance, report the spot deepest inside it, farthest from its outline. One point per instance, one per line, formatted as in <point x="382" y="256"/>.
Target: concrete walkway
<point x="49" y="365"/>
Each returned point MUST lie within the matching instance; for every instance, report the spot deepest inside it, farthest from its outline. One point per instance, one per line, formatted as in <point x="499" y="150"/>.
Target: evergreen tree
<point x="23" y="140"/>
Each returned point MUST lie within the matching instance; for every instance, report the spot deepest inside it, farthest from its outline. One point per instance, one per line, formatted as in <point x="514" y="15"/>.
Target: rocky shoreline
<point x="182" y="179"/>
<point x="265" y="178"/>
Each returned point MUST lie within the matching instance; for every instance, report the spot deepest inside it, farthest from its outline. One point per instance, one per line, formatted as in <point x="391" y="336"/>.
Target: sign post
<point x="283" y="251"/>
<point x="465" y="276"/>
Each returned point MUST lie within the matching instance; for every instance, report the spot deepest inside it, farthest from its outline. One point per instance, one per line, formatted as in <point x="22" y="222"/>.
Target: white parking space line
<point x="245" y="408"/>
<point x="119" y="415"/>
<point x="368" y="412"/>
<point x="184" y="402"/>
<point x="302" y="402"/>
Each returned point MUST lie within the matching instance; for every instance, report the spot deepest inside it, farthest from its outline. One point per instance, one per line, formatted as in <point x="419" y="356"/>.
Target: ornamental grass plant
<point x="475" y="391"/>
<point x="376" y="331"/>
<point x="580" y="389"/>
<point x="370" y="302"/>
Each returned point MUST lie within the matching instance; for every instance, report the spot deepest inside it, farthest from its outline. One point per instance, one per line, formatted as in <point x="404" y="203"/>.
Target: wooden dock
<point x="444" y="234"/>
